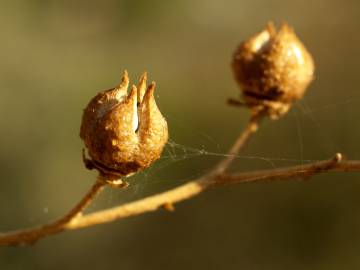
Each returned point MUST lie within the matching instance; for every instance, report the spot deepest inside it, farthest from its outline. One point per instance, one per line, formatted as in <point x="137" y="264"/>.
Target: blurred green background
<point x="55" y="55"/>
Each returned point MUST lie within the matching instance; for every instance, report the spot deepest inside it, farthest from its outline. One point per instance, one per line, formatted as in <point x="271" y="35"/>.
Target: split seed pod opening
<point x="123" y="133"/>
<point x="273" y="69"/>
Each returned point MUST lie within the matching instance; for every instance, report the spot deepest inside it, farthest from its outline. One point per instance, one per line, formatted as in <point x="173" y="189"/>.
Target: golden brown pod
<point x="273" y="68"/>
<point x="123" y="133"/>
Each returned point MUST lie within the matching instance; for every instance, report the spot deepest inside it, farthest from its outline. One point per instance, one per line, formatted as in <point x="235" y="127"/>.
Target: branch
<point x="74" y="220"/>
<point x="193" y="188"/>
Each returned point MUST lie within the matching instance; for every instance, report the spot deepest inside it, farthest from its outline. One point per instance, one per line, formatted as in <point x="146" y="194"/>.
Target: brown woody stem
<point x="219" y="176"/>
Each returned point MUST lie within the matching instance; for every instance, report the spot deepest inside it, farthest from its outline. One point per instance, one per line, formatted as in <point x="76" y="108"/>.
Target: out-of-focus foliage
<point x="55" y="55"/>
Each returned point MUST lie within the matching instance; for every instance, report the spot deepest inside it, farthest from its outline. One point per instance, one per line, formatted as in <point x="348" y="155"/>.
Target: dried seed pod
<point x="273" y="69"/>
<point x="124" y="133"/>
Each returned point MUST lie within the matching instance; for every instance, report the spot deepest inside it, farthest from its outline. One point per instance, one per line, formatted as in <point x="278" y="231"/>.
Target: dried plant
<point x="125" y="133"/>
<point x="273" y="68"/>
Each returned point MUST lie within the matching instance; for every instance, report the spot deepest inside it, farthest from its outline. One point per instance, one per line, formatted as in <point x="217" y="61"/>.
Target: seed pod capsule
<point x="123" y="133"/>
<point x="273" y="68"/>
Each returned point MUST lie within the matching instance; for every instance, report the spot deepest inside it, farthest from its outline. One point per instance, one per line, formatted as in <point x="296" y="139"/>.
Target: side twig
<point x="240" y="143"/>
<point x="30" y="236"/>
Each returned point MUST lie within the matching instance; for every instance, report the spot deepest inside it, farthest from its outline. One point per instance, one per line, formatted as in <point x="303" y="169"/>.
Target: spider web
<point x="176" y="152"/>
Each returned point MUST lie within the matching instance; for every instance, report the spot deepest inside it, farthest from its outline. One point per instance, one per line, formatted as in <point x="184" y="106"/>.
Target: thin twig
<point x="30" y="236"/>
<point x="84" y="202"/>
<point x="240" y="143"/>
<point x="304" y="171"/>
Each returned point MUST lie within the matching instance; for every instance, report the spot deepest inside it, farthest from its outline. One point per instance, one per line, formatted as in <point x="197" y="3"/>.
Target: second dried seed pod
<point x="273" y="69"/>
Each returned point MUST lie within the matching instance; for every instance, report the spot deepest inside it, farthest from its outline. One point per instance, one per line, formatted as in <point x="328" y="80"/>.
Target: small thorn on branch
<point x="169" y="207"/>
<point x="338" y="158"/>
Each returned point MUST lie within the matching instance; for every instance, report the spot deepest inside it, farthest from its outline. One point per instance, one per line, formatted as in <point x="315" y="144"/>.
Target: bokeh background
<point x="55" y="55"/>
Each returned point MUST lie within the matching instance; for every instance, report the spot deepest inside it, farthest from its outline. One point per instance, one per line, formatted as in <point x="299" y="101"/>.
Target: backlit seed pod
<point x="123" y="133"/>
<point x="273" y="68"/>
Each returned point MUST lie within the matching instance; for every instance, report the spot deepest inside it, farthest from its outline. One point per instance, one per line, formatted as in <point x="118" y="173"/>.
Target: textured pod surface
<point x="273" y="68"/>
<point x="124" y="133"/>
